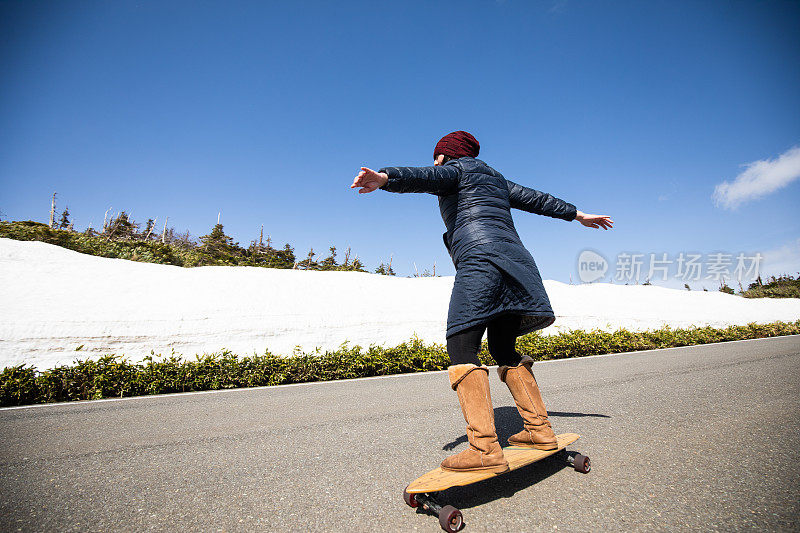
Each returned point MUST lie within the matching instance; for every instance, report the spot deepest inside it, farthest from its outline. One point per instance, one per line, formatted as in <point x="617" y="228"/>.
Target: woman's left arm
<point x="542" y="203"/>
<point x="594" y="221"/>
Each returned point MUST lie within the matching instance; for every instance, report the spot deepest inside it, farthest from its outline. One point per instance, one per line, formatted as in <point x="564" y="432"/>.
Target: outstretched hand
<point x="369" y="180"/>
<point x="595" y="221"/>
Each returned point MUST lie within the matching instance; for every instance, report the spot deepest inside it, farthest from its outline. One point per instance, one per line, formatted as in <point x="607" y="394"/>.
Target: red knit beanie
<point x="457" y="144"/>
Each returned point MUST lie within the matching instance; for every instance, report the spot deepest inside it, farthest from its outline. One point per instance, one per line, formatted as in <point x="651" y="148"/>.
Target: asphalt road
<point x="704" y="437"/>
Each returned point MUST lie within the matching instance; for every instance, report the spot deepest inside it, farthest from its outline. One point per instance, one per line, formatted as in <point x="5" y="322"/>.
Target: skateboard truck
<point x="579" y="462"/>
<point x="450" y="518"/>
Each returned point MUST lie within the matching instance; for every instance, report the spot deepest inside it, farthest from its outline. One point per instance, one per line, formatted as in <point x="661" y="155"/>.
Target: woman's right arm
<point x="439" y="180"/>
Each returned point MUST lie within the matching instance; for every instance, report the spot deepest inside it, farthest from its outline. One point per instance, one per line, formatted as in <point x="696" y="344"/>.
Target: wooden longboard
<point x="437" y="480"/>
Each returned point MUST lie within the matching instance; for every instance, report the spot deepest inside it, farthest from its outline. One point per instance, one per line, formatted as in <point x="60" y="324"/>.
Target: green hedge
<point x="114" y="376"/>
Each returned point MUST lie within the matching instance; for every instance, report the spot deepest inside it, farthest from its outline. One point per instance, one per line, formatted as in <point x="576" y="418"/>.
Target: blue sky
<point x="266" y="110"/>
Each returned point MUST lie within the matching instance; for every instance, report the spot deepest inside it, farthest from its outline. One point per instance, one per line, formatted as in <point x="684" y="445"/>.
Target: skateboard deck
<point x="422" y="491"/>
<point x="438" y="480"/>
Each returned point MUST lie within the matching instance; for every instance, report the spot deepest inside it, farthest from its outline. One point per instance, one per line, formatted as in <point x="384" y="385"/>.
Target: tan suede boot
<point x="484" y="453"/>
<point x="538" y="432"/>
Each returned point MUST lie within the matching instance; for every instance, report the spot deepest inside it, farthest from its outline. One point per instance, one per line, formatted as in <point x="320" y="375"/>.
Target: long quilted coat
<point x="495" y="274"/>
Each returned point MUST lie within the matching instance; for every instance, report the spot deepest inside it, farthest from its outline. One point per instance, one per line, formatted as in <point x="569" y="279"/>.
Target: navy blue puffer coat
<point x="495" y="274"/>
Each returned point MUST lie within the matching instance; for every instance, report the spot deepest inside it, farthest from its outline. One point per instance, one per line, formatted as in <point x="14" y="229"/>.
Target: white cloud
<point x="759" y="179"/>
<point x="667" y="196"/>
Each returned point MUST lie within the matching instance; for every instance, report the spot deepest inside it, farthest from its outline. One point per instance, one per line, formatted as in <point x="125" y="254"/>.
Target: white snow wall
<point x="54" y="300"/>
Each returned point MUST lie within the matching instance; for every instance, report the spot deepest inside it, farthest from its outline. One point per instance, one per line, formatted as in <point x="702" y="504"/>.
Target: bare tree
<point x="105" y="220"/>
<point x="53" y="211"/>
<point x="150" y="227"/>
<point x="164" y="233"/>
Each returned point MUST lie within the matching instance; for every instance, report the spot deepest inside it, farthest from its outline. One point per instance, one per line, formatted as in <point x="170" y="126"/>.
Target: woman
<point x="497" y="288"/>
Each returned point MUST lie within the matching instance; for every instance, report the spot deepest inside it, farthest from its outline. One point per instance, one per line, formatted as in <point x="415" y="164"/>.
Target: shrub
<point x="113" y="376"/>
<point x="783" y="286"/>
<point x="122" y="241"/>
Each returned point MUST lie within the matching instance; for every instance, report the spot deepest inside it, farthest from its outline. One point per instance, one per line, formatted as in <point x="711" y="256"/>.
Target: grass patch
<point x="114" y="376"/>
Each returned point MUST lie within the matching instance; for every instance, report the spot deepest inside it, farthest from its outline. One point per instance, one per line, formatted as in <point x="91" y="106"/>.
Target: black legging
<point x="463" y="347"/>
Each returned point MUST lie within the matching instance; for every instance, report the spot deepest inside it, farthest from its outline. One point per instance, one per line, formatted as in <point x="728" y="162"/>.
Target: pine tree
<point x="308" y="263"/>
<point x="357" y="265"/>
<point x="262" y="253"/>
<point x="121" y="228"/>
<point x="329" y="263"/>
<point x="64" y="222"/>
<point x="385" y="269"/>
<point x="218" y="247"/>
<point x="285" y="257"/>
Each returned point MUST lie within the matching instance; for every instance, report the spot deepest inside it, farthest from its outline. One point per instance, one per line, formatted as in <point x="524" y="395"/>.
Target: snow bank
<point x="55" y="300"/>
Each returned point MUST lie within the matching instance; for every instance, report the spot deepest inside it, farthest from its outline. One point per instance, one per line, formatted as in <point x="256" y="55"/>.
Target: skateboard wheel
<point x="450" y="519"/>
<point x="582" y="464"/>
<point x="410" y="499"/>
